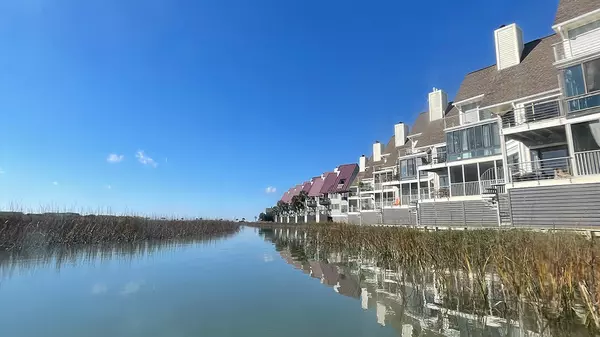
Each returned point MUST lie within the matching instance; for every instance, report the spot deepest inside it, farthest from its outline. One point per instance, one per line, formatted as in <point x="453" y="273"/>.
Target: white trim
<point x="460" y="162"/>
<point x="467" y="126"/>
<point x="582" y="119"/>
<point x="587" y="179"/>
<point x="561" y="25"/>
<point x="469" y="100"/>
<point x="521" y="99"/>
<point x="537" y="147"/>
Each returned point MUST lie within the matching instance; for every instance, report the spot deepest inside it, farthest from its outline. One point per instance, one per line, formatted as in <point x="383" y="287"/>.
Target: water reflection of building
<point x="413" y="309"/>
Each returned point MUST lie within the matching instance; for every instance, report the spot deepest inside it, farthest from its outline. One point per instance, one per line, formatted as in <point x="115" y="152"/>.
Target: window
<point x="513" y="159"/>
<point x="574" y="33"/>
<point x="586" y="136"/>
<point x="580" y="80"/>
<point x="407" y="168"/>
<point x="477" y="141"/>
<point x="573" y="81"/>
<point x="444" y="182"/>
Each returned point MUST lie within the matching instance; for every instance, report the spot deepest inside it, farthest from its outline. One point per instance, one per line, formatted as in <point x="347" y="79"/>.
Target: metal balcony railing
<point x="437" y="158"/>
<point x="324" y="201"/>
<point x="588" y="162"/>
<point x="366" y="206"/>
<point x="583" y="102"/>
<point x="531" y="113"/>
<point x="354" y="209"/>
<point x="555" y="168"/>
<point x="366" y="188"/>
<point x="584" y="44"/>
<point x="377" y="186"/>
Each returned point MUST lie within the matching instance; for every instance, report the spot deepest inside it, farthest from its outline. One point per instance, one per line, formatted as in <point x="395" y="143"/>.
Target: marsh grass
<point x="553" y="275"/>
<point x="22" y="231"/>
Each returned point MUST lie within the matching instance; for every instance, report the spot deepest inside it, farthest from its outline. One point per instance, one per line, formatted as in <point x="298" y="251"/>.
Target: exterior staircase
<point x="496" y="198"/>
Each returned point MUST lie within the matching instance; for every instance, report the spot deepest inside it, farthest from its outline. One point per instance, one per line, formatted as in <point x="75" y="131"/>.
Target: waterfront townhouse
<point x="555" y="179"/>
<point x="339" y="192"/>
<point x="327" y="196"/>
<point x="519" y="145"/>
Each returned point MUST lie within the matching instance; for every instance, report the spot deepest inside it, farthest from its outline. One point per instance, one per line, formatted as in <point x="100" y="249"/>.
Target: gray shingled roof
<point x="570" y="9"/>
<point x="434" y="131"/>
<point x="535" y="74"/>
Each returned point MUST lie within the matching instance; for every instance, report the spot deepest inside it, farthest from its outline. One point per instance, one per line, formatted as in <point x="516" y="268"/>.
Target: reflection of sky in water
<point x="222" y="288"/>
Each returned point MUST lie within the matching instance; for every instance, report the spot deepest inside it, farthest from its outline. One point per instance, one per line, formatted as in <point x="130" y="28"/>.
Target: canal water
<point x="249" y="284"/>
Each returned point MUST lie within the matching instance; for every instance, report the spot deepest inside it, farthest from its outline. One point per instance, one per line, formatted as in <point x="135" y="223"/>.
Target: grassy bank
<point x="19" y="230"/>
<point x="556" y="275"/>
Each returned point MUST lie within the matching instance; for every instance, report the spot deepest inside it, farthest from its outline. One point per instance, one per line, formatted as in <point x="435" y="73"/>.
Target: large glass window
<point x="592" y="75"/>
<point x="580" y="80"/>
<point x="477" y="141"/>
<point x="573" y="78"/>
<point x="407" y="168"/>
<point x="586" y="136"/>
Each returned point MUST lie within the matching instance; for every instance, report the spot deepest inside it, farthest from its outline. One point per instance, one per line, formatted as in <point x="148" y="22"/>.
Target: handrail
<point x="554" y="168"/>
<point x="583" y="102"/>
<point x="532" y="112"/>
<point x="588" y="162"/>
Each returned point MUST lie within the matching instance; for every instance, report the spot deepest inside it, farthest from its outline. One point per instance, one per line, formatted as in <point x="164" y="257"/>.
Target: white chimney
<point x="438" y="102"/>
<point x="400" y="133"/>
<point x="362" y="163"/>
<point x="509" y="46"/>
<point x="377" y="149"/>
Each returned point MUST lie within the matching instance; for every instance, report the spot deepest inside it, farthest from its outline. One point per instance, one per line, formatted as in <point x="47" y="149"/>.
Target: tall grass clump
<point x="18" y="230"/>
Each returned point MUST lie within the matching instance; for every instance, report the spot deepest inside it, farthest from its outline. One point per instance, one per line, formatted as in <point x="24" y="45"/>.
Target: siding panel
<point x="397" y="217"/>
<point x="564" y="205"/>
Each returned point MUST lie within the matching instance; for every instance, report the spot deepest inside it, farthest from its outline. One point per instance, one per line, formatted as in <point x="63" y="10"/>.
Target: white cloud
<point x="99" y="288"/>
<point x="55" y="183"/>
<point x="115" y="158"/>
<point x="108" y="187"/>
<point x="270" y="189"/>
<point x="131" y="288"/>
<point x="2" y="171"/>
<point x="144" y="159"/>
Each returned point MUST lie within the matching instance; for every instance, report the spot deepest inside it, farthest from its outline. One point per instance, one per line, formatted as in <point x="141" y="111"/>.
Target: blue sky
<point x="224" y="98"/>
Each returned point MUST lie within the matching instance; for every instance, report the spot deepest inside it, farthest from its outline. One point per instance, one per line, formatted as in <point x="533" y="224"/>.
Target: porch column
<point x="571" y="146"/>
<point x="305" y="216"/>
<point x="507" y="178"/>
<point x="418" y="185"/>
<point x="400" y="193"/>
<point x="318" y="214"/>
<point x="449" y="183"/>
<point x="464" y="182"/>
<point x="479" y="178"/>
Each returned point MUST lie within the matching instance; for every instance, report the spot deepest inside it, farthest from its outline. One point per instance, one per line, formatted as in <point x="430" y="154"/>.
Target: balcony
<point x="583" y="102"/>
<point x="378" y="186"/>
<point x="311" y="203"/>
<point x="532" y="113"/>
<point x="324" y="201"/>
<point x="588" y="162"/>
<point x="438" y="158"/>
<point x="366" y="188"/>
<point x="555" y="168"/>
<point x="582" y="45"/>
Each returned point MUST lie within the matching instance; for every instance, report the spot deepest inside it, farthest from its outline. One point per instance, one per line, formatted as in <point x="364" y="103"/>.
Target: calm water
<point x="243" y="285"/>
